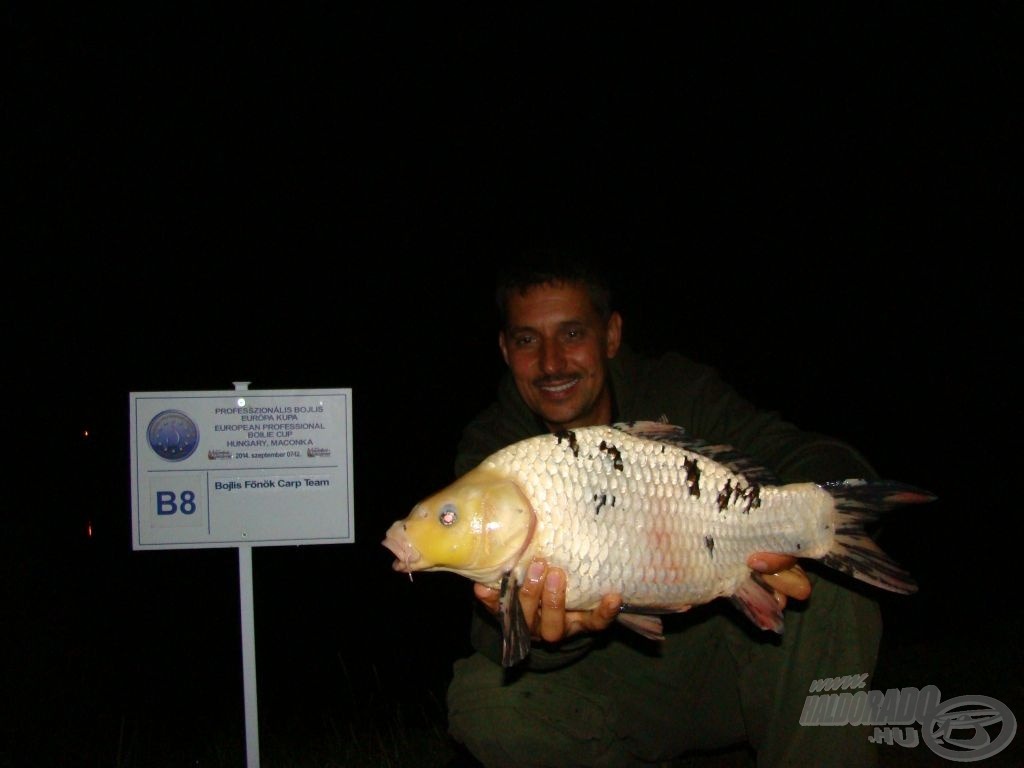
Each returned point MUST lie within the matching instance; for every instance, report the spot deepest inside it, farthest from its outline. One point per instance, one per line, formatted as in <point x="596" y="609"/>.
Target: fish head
<point x="479" y="527"/>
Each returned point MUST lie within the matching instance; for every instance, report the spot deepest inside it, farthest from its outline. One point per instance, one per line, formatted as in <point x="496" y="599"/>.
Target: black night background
<point x="822" y="202"/>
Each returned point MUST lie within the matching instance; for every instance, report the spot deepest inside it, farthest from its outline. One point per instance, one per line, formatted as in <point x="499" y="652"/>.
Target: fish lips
<point x="406" y="555"/>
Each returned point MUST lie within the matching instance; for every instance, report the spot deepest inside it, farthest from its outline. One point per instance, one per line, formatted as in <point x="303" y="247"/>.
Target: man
<point x="589" y="694"/>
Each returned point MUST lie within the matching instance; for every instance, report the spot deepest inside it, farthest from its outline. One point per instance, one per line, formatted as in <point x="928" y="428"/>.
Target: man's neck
<point x="603" y="412"/>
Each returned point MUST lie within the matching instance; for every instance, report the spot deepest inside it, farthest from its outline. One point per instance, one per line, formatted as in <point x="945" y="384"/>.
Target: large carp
<point x="641" y="510"/>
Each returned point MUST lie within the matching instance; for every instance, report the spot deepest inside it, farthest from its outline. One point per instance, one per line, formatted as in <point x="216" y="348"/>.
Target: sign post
<point x="242" y="469"/>
<point x="248" y="623"/>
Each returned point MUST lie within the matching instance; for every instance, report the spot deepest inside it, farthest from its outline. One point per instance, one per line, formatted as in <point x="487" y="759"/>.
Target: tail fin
<point x="854" y="552"/>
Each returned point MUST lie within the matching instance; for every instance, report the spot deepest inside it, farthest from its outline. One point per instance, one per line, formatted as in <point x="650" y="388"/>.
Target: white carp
<point x="641" y="510"/>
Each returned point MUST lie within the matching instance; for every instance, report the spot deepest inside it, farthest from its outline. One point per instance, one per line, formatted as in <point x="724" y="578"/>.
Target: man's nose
<point x="552" y="358"/>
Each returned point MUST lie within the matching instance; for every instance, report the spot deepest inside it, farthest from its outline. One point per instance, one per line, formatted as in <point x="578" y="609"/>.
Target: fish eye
<point x="448" y="515"/>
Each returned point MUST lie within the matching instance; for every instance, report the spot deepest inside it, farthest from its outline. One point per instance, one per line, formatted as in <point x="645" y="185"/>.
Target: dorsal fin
<point x="723" y="454"/>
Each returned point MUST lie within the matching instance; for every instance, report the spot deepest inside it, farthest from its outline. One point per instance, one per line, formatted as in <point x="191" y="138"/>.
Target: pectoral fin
<point x="644" y="624"/>
<point x="515" y="634"/>
<point x="757" y="601"/>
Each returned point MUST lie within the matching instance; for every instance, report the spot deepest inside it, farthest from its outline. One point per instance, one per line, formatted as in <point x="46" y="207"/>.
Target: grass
<point x="140" y="667"/>
<point x="382" y="726"/>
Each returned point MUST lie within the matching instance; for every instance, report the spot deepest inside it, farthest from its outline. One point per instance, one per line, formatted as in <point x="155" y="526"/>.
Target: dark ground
<point x="822" y="203"/>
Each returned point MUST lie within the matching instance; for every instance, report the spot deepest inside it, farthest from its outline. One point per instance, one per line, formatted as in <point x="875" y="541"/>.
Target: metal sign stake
<point x="248" y="622"/>
<point x="252" y="723"/>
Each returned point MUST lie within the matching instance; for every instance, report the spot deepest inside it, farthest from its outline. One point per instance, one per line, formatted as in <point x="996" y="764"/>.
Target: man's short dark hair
<point x="552" y="265"/>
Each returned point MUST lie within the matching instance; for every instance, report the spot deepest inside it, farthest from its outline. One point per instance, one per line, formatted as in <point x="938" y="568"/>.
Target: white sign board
<point x="242" y="467"/>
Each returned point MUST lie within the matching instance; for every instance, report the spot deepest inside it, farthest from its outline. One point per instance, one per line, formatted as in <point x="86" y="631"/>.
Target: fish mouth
<point x="406" y="555"/>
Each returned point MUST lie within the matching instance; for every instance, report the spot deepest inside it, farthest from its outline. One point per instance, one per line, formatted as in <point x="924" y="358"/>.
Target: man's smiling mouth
<point x="555" y="388"/>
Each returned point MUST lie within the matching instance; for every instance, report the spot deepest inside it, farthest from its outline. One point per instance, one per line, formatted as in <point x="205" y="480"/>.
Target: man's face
<point x="557" y="347"/>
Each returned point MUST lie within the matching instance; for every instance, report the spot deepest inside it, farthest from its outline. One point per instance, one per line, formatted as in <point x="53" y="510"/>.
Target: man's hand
<point x="782" y="574"/>
<point x="542" y="596"/>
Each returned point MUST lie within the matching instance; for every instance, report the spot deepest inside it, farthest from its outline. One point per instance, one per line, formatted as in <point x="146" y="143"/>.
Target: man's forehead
<point x="551" y="303"/>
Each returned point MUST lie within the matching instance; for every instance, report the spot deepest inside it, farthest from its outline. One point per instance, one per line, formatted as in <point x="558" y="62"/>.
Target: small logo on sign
<point x="173" y="435"/>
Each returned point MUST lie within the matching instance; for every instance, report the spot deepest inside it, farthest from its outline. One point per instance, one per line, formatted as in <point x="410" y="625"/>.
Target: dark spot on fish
<point x="612" y="451"/>
<point x="752" y="497"/>
<point x="568" y="434"/>
<point x="749" y="497"/>
<point x="602" y="499"/>
<point x="723" y="496"/>
<point x="692" y="476"/>
<point x="709" y="542"/>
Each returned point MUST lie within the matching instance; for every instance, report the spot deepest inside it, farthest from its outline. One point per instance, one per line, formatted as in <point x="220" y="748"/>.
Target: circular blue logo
<point x="173" y="435"/>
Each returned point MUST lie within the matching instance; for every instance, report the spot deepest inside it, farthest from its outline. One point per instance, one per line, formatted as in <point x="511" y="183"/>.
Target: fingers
<point x="792" y="582"/>
<point x="551" y="626"/>
<point x="770" y="562"/>
<point x="489" y="597"/>
<point x="539" y="585"/>
<point x="596" y="620"/>
<point x="531" y="593"/>
<point x="542" y="597"/>
<point x="782" y="574"/>
<point x="555" y="623"/>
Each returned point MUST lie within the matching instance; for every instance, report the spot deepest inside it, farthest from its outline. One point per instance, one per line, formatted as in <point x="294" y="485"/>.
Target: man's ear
<point x="613" y="335"/>
<point x="503" y="346"/>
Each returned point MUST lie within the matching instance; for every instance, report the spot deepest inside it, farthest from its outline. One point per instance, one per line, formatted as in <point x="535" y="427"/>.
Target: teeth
<point x="560" y="387"/>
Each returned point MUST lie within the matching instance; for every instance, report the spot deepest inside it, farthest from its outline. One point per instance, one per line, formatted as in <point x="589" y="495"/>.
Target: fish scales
<point x="642" y="510"/>
<point x="638" y="495"/>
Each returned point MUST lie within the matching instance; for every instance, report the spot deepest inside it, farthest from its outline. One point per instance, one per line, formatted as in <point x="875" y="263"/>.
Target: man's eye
<point x="522" y="341"/>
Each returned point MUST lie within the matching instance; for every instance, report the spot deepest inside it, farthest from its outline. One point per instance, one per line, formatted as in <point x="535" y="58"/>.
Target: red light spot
<point x="88" y="529"/>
